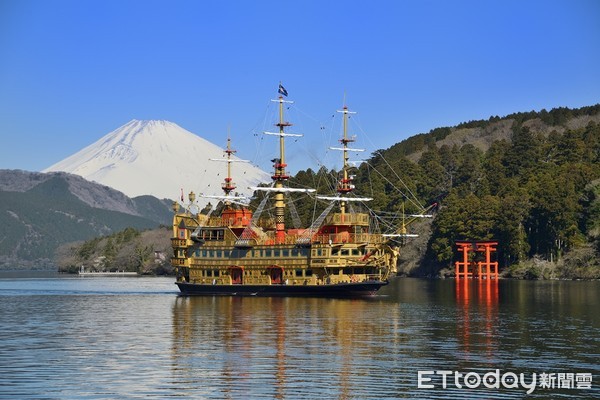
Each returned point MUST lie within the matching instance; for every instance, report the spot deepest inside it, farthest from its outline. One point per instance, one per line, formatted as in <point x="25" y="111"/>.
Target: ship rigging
<point x="242" y="252"/>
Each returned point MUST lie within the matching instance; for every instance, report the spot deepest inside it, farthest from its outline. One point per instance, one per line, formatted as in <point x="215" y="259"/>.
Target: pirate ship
<point x="239" y="252"/>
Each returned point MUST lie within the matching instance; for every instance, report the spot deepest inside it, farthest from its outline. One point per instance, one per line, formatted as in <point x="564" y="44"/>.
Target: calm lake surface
<point x="106" y="338"/>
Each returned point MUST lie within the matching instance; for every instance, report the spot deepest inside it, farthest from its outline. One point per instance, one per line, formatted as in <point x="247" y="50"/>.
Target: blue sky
<point x="72" y="71"/>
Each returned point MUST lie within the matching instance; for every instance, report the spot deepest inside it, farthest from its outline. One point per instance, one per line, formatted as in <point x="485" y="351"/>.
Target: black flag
<point x="282" y="90"/>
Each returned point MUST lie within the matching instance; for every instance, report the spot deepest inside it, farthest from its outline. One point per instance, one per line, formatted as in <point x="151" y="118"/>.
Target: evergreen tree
<point x="522" y="158"/>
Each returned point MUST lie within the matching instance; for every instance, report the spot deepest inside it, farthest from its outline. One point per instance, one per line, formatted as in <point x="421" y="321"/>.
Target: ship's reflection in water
<point x="279" y="347"/>
<point x="253" y="347"/>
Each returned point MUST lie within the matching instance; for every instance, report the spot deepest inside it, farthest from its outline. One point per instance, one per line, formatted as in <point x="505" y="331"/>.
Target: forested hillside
<point x="535" y="188"/>
<point x="39" y="212"/>
<point x="144" y="252"/>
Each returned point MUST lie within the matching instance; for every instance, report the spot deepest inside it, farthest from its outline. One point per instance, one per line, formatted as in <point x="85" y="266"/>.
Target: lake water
<point x="107" y="338"/>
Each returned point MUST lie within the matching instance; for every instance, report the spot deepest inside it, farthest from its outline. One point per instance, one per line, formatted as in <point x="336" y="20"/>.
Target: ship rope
<point x="381" y="222"/>
<point x="351" y="208"/>
<point x="252" y="228"/>
<point x="197" y="231"/>
<point x="306" y="237"/>
<point x="413" y="199"/>
<point x="373" y="222"/>
<point x="327" y="137"/>
<point x="294" y="213"/>
<point x="291" y="203"/>
<point x="256" y="132"/>
<point x="416" y="200"/>
<point x="330" y="181"/>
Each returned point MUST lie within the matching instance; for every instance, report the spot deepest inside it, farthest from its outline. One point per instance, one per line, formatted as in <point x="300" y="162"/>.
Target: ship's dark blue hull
<point x="359" y="289"/>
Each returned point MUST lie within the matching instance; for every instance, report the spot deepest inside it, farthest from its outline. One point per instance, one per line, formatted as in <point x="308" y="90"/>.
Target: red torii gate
<point x="487" y="269"/>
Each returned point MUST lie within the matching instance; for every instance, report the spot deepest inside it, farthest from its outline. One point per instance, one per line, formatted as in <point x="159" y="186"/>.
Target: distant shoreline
<point x="41" y="274"/>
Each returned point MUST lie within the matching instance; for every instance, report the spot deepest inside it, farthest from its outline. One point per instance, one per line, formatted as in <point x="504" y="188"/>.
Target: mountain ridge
<point x="41" y="211"/>
<point x="94" y="194"/>
<point x="155" y="157"/>
<point x="482" y="133"/>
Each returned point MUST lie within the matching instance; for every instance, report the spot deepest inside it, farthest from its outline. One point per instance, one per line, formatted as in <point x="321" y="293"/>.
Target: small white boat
<point x="83" y="272"/>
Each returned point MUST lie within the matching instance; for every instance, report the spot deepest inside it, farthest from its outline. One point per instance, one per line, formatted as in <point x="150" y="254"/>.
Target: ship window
<point x="298" y="272"/>
<point x="219" y="254"/>
<point x="355" y="252"/>
<point x="335" y="251"/>
<point x="181" y="233"/>
<point x="268" y="253"/>
<point x="295" y="252"/>
<point x="348" y="271"/>
<point x="216" y="273"/>
<point x="197" y="253"/>
<point x="209" y="273"/>
<point x="345" y="252"/>
<point x="286" y="253"/>
<point x="308" y="272"/>
<point x="277" y="253"/>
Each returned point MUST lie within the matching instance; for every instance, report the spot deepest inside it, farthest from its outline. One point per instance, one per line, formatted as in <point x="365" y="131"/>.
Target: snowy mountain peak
<point x="158" y="158"/>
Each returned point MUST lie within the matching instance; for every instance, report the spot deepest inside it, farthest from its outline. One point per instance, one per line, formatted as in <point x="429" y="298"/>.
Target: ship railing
<point x="341" y="238"/>
<point x="269" y="239"/>
<point x="216" y="222"/>
<point x="347" y="219"/>
<point x="176" y="242"/>
<point x="178" y="262"/>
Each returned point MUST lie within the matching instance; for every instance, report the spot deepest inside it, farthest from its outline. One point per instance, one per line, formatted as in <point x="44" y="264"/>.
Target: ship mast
<point x="280" y="176"/>
<point x="228" y="186"/>
<point x="344" y="185"/>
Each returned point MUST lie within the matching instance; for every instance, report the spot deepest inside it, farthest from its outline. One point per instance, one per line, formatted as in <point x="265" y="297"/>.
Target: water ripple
<point x="136" y="339"/>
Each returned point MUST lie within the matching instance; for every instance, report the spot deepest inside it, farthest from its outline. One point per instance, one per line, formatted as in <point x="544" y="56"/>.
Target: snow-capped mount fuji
<point x="158" y="158"/>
